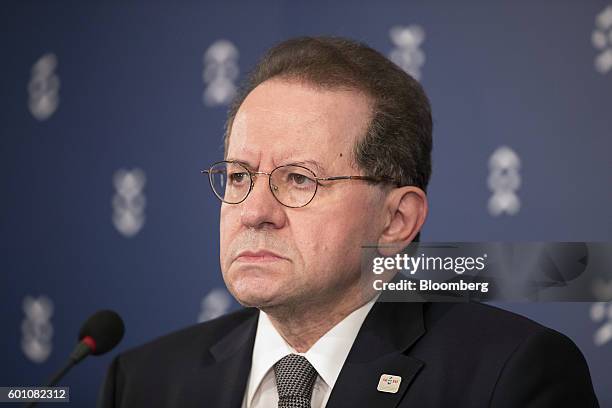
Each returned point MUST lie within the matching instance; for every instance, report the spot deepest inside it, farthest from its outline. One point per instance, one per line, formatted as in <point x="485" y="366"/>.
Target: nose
<point x="261" y="209"/>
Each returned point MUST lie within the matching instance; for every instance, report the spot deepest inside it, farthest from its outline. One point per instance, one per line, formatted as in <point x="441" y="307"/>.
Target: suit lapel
<point x="228" y="374"/>
<point x="388" y="331"/>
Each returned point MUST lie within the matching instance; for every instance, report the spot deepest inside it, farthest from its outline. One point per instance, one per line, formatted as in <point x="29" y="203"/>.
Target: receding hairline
<point x="303" y="80"/>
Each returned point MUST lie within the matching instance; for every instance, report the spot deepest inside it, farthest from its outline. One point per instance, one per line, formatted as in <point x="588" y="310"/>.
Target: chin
<point x="257" y="299"/>
<point x="255" y="291"/>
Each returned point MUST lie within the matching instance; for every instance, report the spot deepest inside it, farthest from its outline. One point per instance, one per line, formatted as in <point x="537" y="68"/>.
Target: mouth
<point x="258" y="256"/>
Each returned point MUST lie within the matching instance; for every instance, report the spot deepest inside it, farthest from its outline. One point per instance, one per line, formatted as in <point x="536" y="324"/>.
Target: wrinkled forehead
<point x="280" y="123"/>
<point x="255" y="120"/>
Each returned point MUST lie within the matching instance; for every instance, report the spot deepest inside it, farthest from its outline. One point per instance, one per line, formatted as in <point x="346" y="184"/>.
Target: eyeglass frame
<point x="251" y="173"/>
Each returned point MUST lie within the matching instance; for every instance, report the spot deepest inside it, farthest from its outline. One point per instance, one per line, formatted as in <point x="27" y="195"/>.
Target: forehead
<point x="281" y="120"/>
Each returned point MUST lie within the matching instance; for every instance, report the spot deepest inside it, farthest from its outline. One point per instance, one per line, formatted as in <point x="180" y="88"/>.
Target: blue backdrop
<point x="109" y="111"/>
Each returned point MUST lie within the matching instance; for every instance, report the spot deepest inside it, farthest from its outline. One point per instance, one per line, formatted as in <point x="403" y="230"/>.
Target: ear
<point x="406" y="209"/>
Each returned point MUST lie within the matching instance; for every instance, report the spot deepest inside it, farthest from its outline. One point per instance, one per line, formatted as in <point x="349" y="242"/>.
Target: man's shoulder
<point x="479" y="316"/>
<point x="484" y="327"/>
<point x="505" y="354"/>
<point x="175" y="369"/>
<point x="198" y="338"/>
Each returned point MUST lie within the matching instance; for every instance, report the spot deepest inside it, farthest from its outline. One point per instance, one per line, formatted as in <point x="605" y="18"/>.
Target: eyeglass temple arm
<point x="379" y="179"/>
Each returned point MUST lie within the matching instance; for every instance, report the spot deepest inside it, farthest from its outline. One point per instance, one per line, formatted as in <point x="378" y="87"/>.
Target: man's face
<point x="272" y="255"/>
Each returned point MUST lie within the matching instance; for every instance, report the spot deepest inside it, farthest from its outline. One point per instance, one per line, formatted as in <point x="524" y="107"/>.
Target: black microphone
<point x="98" y="335"/>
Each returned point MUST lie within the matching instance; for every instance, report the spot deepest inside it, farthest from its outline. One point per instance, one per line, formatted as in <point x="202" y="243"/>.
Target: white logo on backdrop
<point x="216" y="303"/>
<point x="43" y="88"/>
<point x="36" y="328"/>
<point x="504" y="180"/>
<point x="129" y="201"/>
<point x="602" y="40"/>
<point x="220" y="73"/>
<point x="408" y="54"/>
<point x="602" y="312"/>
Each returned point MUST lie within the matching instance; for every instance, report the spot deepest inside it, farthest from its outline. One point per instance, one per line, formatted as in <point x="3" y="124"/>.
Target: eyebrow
<point x="318" y="166"/>
<point x="243" y="162"/>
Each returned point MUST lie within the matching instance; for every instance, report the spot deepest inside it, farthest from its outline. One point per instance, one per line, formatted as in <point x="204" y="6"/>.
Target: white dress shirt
<point x="327" y="356"/>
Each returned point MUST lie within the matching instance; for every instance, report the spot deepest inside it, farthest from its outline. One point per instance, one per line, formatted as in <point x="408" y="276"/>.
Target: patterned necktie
<point x="295" y="378"/>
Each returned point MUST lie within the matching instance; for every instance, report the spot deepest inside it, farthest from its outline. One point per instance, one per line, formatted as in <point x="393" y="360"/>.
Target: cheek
<point x="340" y="234"/>
<point x="330" y="244"/>
<point x="228" y="227"/>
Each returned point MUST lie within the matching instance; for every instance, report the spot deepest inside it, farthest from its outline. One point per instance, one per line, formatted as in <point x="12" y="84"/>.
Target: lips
<point x="259" y="256"/>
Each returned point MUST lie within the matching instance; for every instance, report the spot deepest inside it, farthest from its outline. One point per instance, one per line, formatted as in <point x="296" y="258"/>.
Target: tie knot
<point x="295" y="378"/>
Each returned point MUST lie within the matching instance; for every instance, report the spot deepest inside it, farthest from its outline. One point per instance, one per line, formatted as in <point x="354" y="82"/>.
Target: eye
<point x="237" y="177"/>
<point x="300" y="180"/>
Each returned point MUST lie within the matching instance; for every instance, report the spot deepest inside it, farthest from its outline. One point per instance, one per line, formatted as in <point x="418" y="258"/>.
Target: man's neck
<point x="302" y="326"/>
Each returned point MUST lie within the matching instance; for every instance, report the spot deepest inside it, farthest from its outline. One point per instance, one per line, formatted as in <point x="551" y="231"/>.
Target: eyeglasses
<point x="292" y="185"/>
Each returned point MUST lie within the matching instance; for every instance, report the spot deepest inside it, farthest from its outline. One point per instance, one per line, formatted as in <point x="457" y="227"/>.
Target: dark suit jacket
<point x="448" y="355"/>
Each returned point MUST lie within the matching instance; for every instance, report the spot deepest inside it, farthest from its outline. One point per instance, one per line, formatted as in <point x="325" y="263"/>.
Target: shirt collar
<point x="327" y="355"/>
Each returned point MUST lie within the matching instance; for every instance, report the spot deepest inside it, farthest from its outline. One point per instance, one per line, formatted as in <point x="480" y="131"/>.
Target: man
<point x="327" y="149"/>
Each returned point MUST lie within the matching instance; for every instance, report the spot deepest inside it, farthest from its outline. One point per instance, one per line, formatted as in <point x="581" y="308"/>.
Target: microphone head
<point x="106" y="329"/>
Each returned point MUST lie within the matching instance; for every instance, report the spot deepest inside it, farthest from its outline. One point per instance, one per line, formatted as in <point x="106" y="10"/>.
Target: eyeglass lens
<point x="293" y="186"/>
